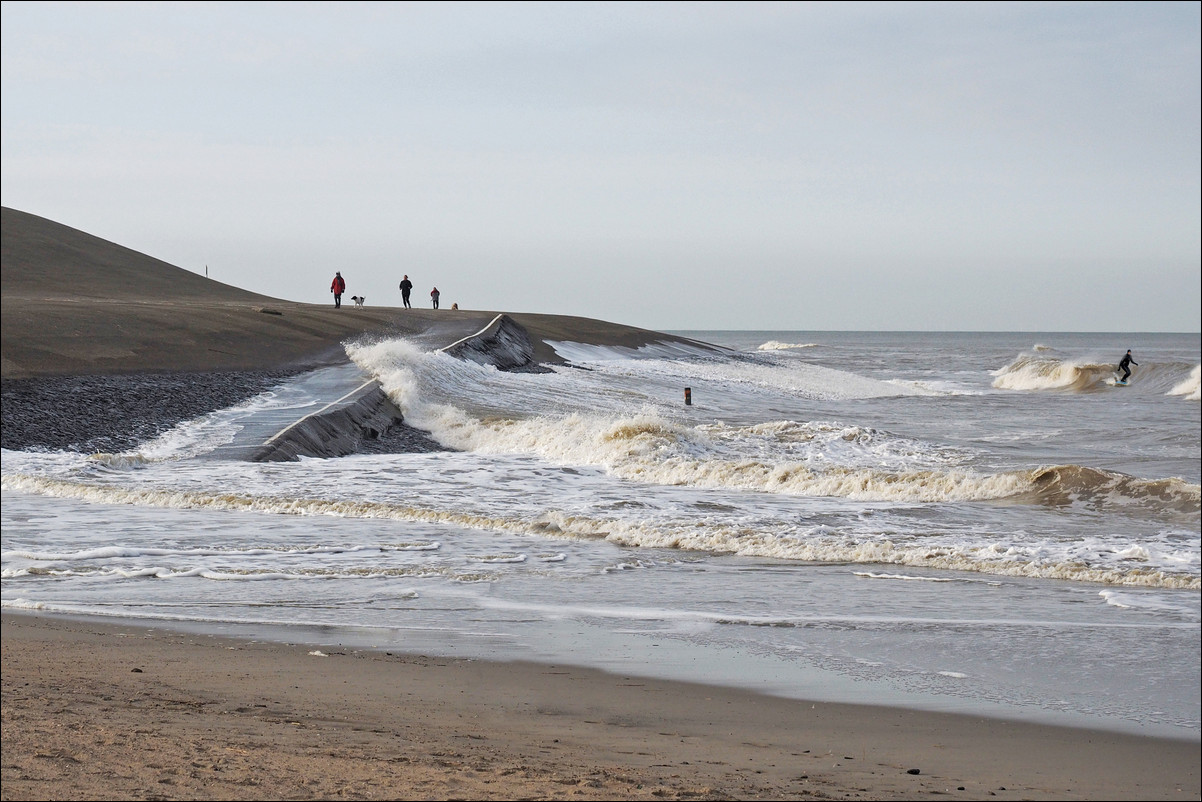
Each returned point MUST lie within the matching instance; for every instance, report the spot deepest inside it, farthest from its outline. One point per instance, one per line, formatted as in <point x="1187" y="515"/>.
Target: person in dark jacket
<point x="338" y="286"/>
<point x="406" y="288"/>
<point x="1125" y="366"/>
<point x="434" y="296"/>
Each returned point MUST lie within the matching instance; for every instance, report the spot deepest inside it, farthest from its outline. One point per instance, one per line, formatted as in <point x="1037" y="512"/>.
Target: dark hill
<point x="74" y="304"/>
<point x="44" y="259"/>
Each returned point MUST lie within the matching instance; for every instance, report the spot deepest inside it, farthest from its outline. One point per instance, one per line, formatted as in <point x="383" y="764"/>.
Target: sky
<point x="674" y="166"/>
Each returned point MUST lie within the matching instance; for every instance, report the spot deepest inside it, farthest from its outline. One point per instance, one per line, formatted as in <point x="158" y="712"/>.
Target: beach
<point x="97" y="710"/>
<point x="119" y="708"/>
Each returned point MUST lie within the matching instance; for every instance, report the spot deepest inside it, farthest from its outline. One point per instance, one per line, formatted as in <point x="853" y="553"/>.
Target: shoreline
<point x="109" y="710"/>
<point x="104" y="347"/>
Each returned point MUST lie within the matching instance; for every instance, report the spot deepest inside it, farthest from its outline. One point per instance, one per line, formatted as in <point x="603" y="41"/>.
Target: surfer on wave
<point x="1125" y="366"/>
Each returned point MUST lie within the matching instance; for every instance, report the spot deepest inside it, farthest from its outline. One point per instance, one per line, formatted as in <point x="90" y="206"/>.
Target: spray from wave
<point x="1189" y="387"/>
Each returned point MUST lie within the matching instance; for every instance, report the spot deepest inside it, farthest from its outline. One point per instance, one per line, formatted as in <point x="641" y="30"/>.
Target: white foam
<point x="904" y="577"/>
<point x="1150" y="601"/>
<point x="1189" y="386"/>
<point x="22" y="604"/>
<point x="776" y="345"/>
<point x="705" y="533"/>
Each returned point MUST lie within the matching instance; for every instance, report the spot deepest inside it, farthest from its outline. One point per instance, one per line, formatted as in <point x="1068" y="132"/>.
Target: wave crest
<point x="1063" y="485"/>
<point x="1042" y="372"/>
<point x="1189" y="387"/>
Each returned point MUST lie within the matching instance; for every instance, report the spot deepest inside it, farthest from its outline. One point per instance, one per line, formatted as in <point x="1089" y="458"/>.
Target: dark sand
<point x="109" y="710"/>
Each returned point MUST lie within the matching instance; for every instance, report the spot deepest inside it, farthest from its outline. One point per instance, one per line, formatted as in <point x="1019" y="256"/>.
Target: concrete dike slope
<point x="502" y="343"/>
<point x="364" y="418"/>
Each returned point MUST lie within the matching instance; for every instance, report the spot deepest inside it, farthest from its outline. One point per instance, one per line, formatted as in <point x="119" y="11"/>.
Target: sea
<point x="982" y="523"/>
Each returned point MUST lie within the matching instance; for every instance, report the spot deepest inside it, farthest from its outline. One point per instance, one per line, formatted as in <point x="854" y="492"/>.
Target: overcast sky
<point x="929" y="166"/>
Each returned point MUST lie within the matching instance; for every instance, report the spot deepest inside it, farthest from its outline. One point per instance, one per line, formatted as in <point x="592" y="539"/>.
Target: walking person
<point x="338" y="286"/>
<point x="434" y="296"/>
<point x="406" y="288"/>
<point x="1125" y="366"/>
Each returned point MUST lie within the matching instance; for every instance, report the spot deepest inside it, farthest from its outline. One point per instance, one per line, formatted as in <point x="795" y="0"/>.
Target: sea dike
<point x="368" y="421"/>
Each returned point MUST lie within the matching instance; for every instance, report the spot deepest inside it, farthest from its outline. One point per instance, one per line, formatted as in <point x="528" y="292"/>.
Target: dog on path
<point x="358" y="299"/>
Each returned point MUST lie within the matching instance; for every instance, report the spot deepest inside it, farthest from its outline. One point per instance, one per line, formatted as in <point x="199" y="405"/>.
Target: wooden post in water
<point x="688" y="396"/>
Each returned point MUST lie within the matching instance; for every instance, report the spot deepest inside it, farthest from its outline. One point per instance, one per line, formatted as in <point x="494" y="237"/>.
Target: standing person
<point x="1125" y="366"/>
<point x="406" y="287"/>
<point x="338" y="286"/>
<point x="434" y="296"/>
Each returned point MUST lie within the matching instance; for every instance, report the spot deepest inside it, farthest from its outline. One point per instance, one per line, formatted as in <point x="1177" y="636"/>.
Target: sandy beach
<point x="97" y="709"/>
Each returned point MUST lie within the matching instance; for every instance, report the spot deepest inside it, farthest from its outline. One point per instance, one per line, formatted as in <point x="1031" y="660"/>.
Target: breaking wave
<point x="793" y="542"/>
<point x="811" y="458"/>
<point x="1189" y="386"/>
<point x="1064" y="485"/>
<point x="1038" y="371"/>
<point x="1042" y="370"/>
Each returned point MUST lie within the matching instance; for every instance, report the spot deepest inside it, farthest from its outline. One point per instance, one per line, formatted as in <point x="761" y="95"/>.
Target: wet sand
<point x="96" y="710"/>
<point x="117" y="710"/>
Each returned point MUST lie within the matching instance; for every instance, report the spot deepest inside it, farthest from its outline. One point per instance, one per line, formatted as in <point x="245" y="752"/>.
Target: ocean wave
<point x="906" y="577"/>
<point x="775" y="345"/>
<point x="1138" y="566"/>
<point x="417" y="382"/>
<point x="1139" y="600"/>
<point x="610" y="419"/>
<point x="1037" y="371"/>
<point x="1040" y="371"/>
<point x="120" y="462"/>
<point x="1064" y="485"/>
<point x="811" y="458"/>
<point x="1189" y="386"/>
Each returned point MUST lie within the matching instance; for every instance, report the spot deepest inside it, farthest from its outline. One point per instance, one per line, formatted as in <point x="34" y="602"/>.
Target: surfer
<point x="1125" y="366"/>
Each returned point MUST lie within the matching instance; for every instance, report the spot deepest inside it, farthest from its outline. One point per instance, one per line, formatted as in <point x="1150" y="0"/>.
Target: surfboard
<point x="1118" y="383"/>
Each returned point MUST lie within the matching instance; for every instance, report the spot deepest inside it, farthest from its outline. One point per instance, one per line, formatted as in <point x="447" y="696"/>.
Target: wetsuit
<point x="1125" y="366"/>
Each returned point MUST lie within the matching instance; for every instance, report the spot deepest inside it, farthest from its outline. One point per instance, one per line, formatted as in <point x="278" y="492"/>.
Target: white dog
<point x="358" y="299"/>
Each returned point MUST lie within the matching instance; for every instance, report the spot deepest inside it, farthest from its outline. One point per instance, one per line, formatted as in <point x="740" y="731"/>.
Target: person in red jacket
<point x="338" y="286"/>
